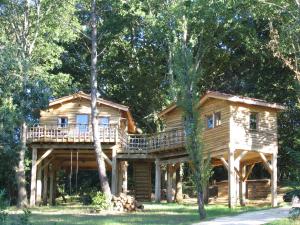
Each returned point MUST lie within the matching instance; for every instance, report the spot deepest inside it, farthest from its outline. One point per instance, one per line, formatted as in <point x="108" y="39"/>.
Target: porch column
<point x="114" y="171"/>
<point x="231" y="180"/>
<point x="39" y="185"/>
<point x="274" y="180"/>
<point x="169" y="183"/>
<point x="242" y="185"/>
<point x="157" y="180"/>
<point x="179" y="175"/>
<point x="45" y="186"/>
<point x="33" y="178"/>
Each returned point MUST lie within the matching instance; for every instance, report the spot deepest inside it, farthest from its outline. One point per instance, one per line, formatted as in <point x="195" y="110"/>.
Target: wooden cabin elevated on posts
<point x="238" y="133"/>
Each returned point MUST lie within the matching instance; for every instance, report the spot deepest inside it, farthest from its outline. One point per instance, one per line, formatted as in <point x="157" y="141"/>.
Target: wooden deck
<point x="130" y="143"/>
<point x="70" y="134"/>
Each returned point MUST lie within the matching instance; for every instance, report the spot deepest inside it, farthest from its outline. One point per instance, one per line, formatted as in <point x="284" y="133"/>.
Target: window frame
<point x="60" y="124"/>
<point x="256" y="121"/>
<point x="207" y="119"/>
<point x="104" y="125"/>
<point x="219" y="119"/>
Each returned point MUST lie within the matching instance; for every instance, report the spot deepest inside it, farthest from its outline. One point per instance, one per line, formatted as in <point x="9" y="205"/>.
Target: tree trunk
<point x="95" y="127"/>
<point x="200" y="201"/>
<point x="20" y="175"/>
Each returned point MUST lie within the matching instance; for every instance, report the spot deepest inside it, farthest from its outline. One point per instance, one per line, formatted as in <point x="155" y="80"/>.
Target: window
<point x="253" y="121"/>
<point x="82" y="121"/>
<point x="104" y="121"/>
<point x="209" y="122"/>
<point x="217" y="117"/>
<point x="62" y="122"/>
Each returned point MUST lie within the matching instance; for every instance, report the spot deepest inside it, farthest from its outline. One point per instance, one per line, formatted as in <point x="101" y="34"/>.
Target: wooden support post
<point x="179" y="177"/>
<point x="274" y="180"/>
<point x="45" y="186"/>
<point x="242" y="185"/>
<point x="39" y="186"/>
<point x="125" y="177"/>
<point x="52" y="190"/>
<point x="157" y="180"/>
<point x="169" y="183"/>
<point x="33" y="178"/>
<point x="231" y="180"/>
<point x="114" y="171"/>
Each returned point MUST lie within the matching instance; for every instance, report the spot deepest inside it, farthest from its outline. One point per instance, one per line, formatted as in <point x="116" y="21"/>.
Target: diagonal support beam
<point x="227" y="166"/>
<point x="47" y="163"/>
<point x="240" y="157"/>
<point x="266" y="163"/>
<point x="107" y="159"/>
<point x="48" y="152"/>
<point x="249" y="172"/>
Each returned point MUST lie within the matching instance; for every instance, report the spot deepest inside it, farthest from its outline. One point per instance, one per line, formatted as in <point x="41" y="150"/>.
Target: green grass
<point x="285" y="221"/>
<point x="157" y="214"/>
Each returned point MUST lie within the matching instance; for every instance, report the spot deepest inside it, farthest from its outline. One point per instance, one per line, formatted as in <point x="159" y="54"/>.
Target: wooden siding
<point x="216" y="139"/>
<point x="241" y="137"/>
<point x="77" y="106"/>
<point x="173" y="120"/>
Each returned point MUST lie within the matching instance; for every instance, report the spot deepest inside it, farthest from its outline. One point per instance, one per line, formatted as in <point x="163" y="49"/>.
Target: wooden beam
<point x="240" y="157"/>
<point x="266" y="163"/>
<point x="248" y="173"/>
<point x="39" y="186"/>
<point x="114" y="172"/>
<point x="169" y="183"/>
<point x="33" y="178"/>
<point x="274" y="180"/>
<point x="157" y="180"/>
<point x="225" y="164"/>
<point x="242" y="185"/>
<point x="45" y="183"/>
<point x="48" y="152"/>
<point x="47" y="163"/>
<point x="174" y="161"/>
<point x="106" y="159"/>
<point x="232" y="180"/>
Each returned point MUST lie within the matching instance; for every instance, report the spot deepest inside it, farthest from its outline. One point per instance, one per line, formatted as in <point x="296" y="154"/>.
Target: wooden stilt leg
<point x="125" y="177"/>
<point x="242" y="185"/>
<point x="232" y="180"/>
<point x="39" y="186"/>
<point x="157" y="181"/>
<point x="274" y="180"/>
<point x="33" y="178"/>
<point x="114" y="172"/>
<point x="45" y="186"/>
<point x="179" y="176"/>
<point x="169" y="183"/>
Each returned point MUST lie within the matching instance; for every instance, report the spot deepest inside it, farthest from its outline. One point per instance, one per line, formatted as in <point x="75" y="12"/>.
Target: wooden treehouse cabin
<point x="238" y="133"/>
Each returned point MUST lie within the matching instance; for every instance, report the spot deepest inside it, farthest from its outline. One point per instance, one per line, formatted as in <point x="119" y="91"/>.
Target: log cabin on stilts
<point x="239" y="132"/>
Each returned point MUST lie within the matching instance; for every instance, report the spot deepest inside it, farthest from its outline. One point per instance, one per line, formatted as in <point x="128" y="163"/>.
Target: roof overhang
<point x="228" y="97"/>
<point x="82" y="95"/>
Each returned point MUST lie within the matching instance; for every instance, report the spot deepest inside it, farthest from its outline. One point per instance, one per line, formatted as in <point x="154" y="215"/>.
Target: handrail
<point x="111" y="134"/>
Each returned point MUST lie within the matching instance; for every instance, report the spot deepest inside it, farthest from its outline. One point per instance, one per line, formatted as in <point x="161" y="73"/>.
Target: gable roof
<point x="228" y="97"/>
<point x="81" y="94"/>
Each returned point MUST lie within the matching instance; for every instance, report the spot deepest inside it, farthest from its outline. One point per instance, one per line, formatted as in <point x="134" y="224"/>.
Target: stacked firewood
<point x="126" y="203"/>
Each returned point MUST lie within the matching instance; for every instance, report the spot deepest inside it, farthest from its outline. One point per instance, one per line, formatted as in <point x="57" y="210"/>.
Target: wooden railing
<point x="70" y="133"/>
<point x="160" y="141"/>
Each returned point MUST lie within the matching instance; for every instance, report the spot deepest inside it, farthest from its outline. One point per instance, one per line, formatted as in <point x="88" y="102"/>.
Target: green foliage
<point x="3" y="206"/>
<point x="99" y="200"/>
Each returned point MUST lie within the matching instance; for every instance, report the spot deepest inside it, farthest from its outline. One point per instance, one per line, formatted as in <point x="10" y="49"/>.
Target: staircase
<point x="142" y="180"/>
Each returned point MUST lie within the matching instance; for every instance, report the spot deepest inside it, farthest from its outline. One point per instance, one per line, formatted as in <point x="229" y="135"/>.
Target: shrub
<point x="99" y="200"/>
<point x="86" y="199"/>
<point x="3" y="206"/>
<point x="294" y="213"/>
<point x="289" y="195"/>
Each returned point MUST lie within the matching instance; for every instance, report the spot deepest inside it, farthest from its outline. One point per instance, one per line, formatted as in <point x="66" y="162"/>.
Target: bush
<point x="86" y="199"/>
<point x="99" y="200"/>
<point x="294" y="213"/>
<point x="289" y="195"/>
<point x="3" y="206"/>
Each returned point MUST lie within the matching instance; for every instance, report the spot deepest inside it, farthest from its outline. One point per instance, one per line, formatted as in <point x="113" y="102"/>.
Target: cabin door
<point x="82" y="123"/>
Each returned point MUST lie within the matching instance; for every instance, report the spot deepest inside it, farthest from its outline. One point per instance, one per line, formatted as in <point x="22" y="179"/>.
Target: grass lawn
<point x="285" y="222"/>
<point x="153" y="214"/>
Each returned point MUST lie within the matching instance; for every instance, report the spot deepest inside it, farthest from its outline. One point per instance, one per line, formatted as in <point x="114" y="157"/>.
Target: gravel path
<point x="250" y="218"/>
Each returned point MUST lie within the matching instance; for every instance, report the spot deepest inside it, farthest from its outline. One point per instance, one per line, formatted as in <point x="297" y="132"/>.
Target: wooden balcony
<point x="166" y="140"/>
<point x="70" y="134"/>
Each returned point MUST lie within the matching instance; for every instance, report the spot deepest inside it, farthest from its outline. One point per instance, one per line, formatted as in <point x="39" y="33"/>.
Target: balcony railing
<point x="70" y="133"/>
<point x="153" y="142"/>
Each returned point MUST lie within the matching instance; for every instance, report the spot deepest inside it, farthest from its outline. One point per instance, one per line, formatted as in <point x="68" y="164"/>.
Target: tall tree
<point x="32" y="32"/>
<point x="95" y="123"/>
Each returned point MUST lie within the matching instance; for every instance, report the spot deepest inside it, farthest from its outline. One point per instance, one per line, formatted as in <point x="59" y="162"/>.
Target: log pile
<point x="126" y="203"/>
